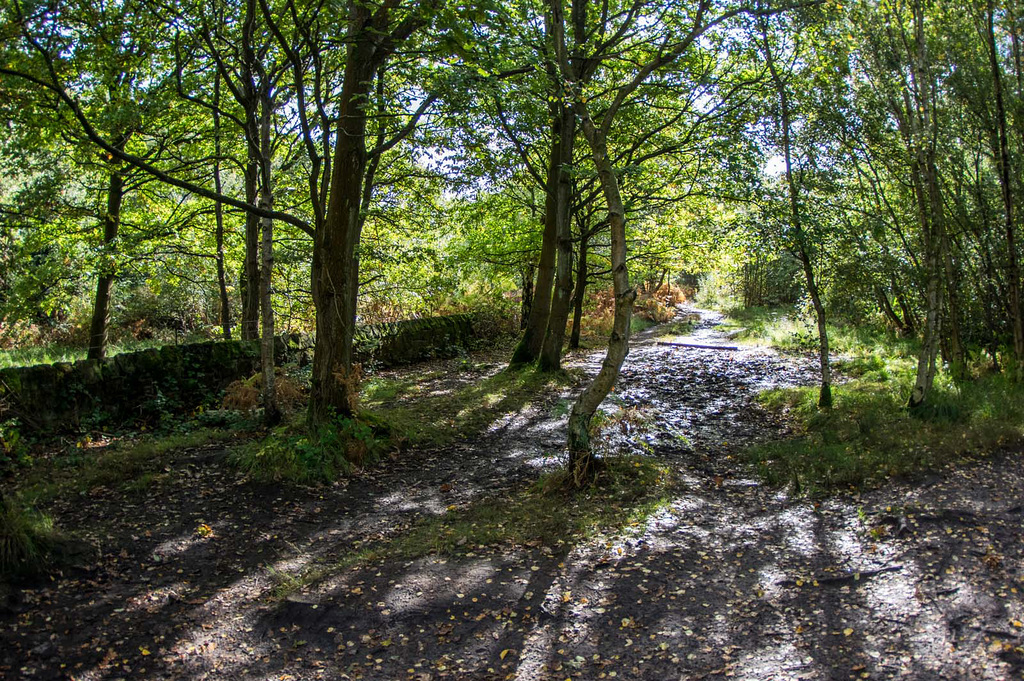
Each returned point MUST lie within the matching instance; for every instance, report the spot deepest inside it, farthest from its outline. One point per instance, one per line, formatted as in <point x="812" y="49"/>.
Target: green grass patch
<point x="51" y="354"/>
<point x="28" y="541"/>
<point x="638" y="324"/>
<point x="870" y="435"/>
<point x="625" y="493"/>
<point x="131" y="465"/>
<point x="854" y="347"/>
<point x="671" y="329"/>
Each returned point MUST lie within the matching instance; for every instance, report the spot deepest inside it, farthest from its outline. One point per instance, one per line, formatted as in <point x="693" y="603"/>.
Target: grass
<point x="638" y="324"/>
<point x="673" y="329"/>
<point x="51" y="354"/>
<point x="785" y="330"/>
<point x="869" y="434"/>
<point x="130" y="465"/>
<point x="547" y="513"/>
<point x="28" y="541"/>
<point x="291" y="454"/>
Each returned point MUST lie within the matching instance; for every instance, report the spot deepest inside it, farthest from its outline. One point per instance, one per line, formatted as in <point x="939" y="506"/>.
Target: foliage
<point x="335" y="449"/>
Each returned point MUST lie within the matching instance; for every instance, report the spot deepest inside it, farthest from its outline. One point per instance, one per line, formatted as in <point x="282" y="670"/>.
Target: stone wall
<point x="50" y="398"/>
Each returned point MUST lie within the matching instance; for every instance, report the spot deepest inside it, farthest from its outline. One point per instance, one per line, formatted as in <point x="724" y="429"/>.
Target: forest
<point x="519" y="339"/>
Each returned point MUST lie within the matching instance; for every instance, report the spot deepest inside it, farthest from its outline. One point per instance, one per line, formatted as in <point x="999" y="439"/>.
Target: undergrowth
<point x="290" y="453"/>
<point x="869" y="434"/>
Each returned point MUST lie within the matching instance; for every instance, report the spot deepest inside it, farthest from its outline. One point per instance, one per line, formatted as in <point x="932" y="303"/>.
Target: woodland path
<point x="918" y="579"/>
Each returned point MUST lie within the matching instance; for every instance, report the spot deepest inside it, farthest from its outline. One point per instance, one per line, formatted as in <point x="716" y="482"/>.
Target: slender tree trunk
<point x="581" y="457"/>
<point x="1006" y="185"/>
<point x="108" y="267"/>
<point x="581" y="289"/>
<point x="529" y="346"/>
<point x="554" y="337"/>
<point x="527" y="304"/>
<point x="909" y="320"/>
<point x="886" y="308"/>
<point x="926" y="368"/>
<point x="271" y="411"/>
<point x="825" y="392"/>
<point x="222" y="283"/>
<point x="957" y="353"/>
<point x="250" y="278"/>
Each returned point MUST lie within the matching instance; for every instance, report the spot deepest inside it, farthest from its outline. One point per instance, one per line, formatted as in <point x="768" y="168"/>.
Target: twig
<point x="845" y="578"/>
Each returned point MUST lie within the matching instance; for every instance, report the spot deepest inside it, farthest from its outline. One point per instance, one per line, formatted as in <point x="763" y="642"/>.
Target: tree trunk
<point x="250" y="278"/>
<point x="222" y="283"/>
<point x="825" y="392"/>
<point x="581" y="289"/>
<point x="909" y="320"/>
<point x="271" y="411"/>
<point x="554" y="337"/>
<point x="334" y="389"/>
<point x="581" y="456"/>
<point x="886" y="309"/>
<point x="108" y="265"/>
<point x="527" y="303"/>
<point x="957" y="353"/>
<point x="529" y="346"/>
<point x="925" y="376"/>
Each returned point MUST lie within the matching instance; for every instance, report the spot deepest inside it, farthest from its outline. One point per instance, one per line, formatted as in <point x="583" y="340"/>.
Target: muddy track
<point x="919" y="579"/>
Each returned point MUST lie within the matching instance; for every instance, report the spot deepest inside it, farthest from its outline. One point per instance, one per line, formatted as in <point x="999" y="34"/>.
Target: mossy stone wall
<point x="50" y="398"/>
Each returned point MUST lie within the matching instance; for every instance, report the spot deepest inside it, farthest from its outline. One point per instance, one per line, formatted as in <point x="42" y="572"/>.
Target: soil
<point x="917" y="579"/>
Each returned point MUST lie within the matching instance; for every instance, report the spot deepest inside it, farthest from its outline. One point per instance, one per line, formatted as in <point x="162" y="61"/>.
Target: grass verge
<point x="870" y="435"/>
<point x="129" y="465"/>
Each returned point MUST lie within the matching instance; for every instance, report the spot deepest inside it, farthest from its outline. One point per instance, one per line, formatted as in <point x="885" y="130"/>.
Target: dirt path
<point x="918" y="580"/>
